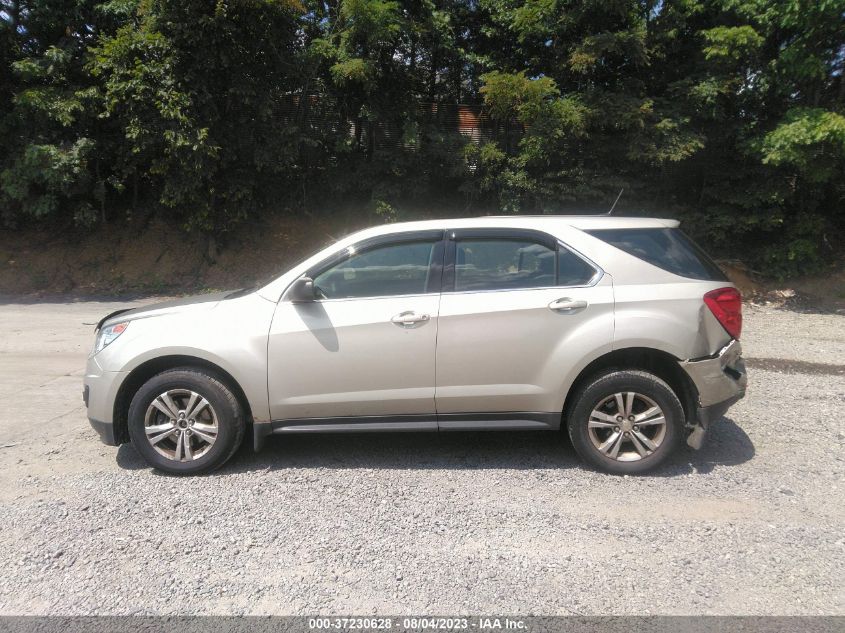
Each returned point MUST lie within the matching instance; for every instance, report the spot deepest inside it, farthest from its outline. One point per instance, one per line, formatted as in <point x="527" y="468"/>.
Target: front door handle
<point x="409" y="318"/>
<point x="567" y="305"/>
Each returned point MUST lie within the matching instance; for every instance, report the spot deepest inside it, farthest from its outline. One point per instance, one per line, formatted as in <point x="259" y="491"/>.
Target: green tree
<point x="196" y="90"/>
<point x="49" y="163"/>
<point x="727" y="113"/>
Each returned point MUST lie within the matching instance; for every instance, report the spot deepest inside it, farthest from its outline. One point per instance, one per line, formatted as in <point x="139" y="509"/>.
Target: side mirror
<point x="301" y="291"/>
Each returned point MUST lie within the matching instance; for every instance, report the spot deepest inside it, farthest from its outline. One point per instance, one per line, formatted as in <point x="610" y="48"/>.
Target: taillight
<point x="726" y="306"/>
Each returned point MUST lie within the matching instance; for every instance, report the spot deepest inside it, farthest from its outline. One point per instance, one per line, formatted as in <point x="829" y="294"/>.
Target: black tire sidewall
<point x="606" y="384"/>
<point x="229" y="421"/>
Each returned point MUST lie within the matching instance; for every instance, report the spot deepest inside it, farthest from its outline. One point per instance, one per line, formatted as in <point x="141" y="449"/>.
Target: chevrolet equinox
<point x="620" y="330"/>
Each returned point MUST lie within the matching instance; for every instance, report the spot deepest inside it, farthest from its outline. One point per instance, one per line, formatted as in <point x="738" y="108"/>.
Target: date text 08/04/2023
<point x="416" y="623"/>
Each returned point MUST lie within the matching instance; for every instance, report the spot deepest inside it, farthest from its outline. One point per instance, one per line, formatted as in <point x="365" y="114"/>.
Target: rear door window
<point x="665" y="248"/>
<point x="503" y="265"/>
<point x="513" y="263"/>
<point x="572" y="270"/>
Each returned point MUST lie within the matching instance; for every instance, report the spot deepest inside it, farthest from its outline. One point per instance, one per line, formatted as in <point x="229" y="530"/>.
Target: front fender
<point x="231" y="336"/>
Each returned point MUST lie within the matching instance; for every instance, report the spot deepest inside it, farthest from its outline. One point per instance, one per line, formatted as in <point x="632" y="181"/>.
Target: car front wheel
<point x="626" y="422"/>
<point x="185" y="421"/>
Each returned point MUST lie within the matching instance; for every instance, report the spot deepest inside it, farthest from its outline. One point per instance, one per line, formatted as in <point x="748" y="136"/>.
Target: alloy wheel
<point x="181" y="425"/>
<point x="627" y="426"/>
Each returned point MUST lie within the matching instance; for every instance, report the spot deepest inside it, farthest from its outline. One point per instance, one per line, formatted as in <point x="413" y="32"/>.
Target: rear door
<point x="366" y="347"/>
<point x="515" y="308"/>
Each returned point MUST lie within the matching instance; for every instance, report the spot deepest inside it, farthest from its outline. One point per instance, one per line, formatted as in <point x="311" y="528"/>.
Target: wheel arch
<point x="146" y="370"/>
<point x="660" y="363"/>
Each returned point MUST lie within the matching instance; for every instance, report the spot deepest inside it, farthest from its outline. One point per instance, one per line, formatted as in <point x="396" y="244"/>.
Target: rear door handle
<point x="567" y="305"/>
<point x="409" y="318"/>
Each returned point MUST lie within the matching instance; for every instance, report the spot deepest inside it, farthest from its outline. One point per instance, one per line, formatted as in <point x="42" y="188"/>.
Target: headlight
<point x="108" y="334"/>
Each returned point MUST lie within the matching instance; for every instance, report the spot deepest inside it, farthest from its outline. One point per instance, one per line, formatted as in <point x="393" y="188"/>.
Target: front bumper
<point x="99" y="391"/>
<point x="720" y="381"/>
<point x="105" y="430"/>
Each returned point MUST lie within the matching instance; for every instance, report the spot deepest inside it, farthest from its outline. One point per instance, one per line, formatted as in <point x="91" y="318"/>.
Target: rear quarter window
<point x="665" y="248"/>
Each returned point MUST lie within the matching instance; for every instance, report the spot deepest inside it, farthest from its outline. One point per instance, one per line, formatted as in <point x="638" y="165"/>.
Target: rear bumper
<point x="720" y="381"/>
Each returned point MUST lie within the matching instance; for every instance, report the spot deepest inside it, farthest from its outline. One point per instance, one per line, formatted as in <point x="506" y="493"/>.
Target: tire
<point x="599" y="434"/>
<point x="208" y="439"/>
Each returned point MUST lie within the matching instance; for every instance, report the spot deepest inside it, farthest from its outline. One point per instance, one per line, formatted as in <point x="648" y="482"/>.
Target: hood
<point x="184" y="304"/>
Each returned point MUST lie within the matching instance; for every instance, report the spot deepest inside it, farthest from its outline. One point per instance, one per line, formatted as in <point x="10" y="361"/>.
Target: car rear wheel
<point x="626" y="422"/>
<point x="185" y="421"/>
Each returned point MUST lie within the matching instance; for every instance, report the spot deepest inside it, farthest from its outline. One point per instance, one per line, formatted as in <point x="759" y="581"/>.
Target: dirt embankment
<point x="825" y="293"/>
<point x="151" y="256"/>
<point x="155" y="257"/>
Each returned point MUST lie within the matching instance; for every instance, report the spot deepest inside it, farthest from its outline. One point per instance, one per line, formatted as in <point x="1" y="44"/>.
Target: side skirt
<point x="506" y="421"/>
<point x="349" y="424"/>
<point x="502" y="421"/>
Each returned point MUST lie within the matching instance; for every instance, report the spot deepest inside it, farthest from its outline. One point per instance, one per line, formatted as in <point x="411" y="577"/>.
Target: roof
<point x="594" y="221"/>
<point x="541" y="222"/>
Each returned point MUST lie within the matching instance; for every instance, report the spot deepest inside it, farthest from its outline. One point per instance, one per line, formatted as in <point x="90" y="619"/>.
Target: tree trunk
<point x="15" y="14"/>
<point x="135" y="190"/>
<point x="432" y="77"/>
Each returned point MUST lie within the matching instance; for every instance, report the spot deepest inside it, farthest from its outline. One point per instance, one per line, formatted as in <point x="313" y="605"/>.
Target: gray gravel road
<point x="463" y="523"/>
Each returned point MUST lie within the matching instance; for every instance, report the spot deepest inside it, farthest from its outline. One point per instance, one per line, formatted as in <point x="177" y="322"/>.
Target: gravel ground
<point x="458" y="523"/>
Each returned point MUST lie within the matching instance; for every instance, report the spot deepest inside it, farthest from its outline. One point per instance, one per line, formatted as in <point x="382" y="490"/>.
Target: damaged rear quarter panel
<point x="671" y="317"/>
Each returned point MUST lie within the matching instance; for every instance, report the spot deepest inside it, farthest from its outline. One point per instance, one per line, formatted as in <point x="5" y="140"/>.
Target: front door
<point x="363" y="352"/>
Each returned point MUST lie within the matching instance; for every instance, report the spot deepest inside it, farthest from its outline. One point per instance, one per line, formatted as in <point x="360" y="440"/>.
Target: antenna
<point x="615" y="201"/>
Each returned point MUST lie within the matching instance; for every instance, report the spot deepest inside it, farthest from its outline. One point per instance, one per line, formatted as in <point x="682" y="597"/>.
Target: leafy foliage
<point x="727" y="113"/>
